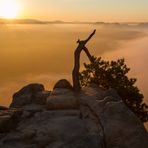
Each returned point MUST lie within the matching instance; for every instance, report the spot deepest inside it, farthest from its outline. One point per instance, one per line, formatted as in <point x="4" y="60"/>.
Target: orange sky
<point x="83" y="10"/>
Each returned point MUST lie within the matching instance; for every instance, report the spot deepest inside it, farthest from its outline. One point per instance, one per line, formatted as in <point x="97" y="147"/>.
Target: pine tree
<point x="114" y="74"/>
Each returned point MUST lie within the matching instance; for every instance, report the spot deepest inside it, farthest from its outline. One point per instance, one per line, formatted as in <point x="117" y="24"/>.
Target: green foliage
<point x="114" y="75"/>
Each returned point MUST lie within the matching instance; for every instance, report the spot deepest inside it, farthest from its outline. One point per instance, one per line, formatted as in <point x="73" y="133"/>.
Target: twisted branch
<point x="75" y="73"/>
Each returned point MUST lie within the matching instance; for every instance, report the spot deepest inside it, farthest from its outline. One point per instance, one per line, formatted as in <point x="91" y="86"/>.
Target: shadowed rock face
<point x="32" y="93"/>
<point x="9" y="119"/>
<point x="92" y="119"/>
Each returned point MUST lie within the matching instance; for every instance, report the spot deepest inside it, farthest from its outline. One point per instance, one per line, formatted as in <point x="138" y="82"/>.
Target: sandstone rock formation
<point x="63" y="84"/>
<point x="62" y="99"/>
<point x="32" y="93"/>
<point x="117" y="125"/>
<point x="92" y="119"/>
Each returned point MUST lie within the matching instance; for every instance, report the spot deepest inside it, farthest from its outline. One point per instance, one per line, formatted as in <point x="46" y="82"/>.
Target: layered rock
<point x="91" y="119"/>
<point x="62" y="99"/>
<point x="32" y="93"/>
<point x="118" y="126"/>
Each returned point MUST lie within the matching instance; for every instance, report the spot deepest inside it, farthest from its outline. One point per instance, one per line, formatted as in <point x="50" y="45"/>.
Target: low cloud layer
<point x="44" y="53"/>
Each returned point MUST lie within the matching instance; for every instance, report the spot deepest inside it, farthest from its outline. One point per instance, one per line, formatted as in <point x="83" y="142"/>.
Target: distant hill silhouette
<point x="21" y="21"/>
<point x="34" y="21"/>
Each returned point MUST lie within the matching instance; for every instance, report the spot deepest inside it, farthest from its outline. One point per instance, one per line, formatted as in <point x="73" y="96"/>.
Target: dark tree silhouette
<point x="114" y="75"/>
<point x="75" y="73"/>
<point x="108" y="75"/>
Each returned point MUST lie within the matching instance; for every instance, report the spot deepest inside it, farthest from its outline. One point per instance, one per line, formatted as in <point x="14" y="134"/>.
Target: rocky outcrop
<point x="51" y="129"/>
<point x="32" y="93"/>
<point x="117" y="125"/>
<point x="62" y="99"/>
<point x="91" y="119"/>
<point x="63" y="84"/>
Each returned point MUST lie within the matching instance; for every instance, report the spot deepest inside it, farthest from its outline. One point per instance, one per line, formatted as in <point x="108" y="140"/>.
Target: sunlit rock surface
<point x="91" y="119"/>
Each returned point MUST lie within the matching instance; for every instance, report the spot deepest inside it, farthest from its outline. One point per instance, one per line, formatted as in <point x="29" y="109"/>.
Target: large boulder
<point x="32" y="93"/>
<point x="118" y="125"/>
<point x="62" y="99"/>
<point x="63" y="83"/>
<point x="91" y="119"/>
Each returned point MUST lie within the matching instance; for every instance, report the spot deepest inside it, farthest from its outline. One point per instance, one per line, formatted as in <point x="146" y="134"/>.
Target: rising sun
<point x="9" y="9"/>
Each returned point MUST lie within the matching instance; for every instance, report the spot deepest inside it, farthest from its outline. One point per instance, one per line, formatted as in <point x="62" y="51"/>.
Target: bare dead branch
<point x="88" y="54"/>
<point x="90" y="36"/>
<point x="75" y="72"/>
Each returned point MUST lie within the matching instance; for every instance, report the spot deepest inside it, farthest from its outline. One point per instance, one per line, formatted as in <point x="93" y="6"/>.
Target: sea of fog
<point x="44" y="53"/>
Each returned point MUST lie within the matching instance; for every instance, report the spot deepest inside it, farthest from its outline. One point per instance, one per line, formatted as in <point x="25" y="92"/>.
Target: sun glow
<point x="9" y="9"/>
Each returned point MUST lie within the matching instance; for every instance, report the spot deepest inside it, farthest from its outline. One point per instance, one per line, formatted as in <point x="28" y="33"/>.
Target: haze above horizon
<point x="78" y="10"/>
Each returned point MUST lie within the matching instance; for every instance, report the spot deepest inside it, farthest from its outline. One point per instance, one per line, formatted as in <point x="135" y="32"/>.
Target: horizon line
<point x="74" y="21"/>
